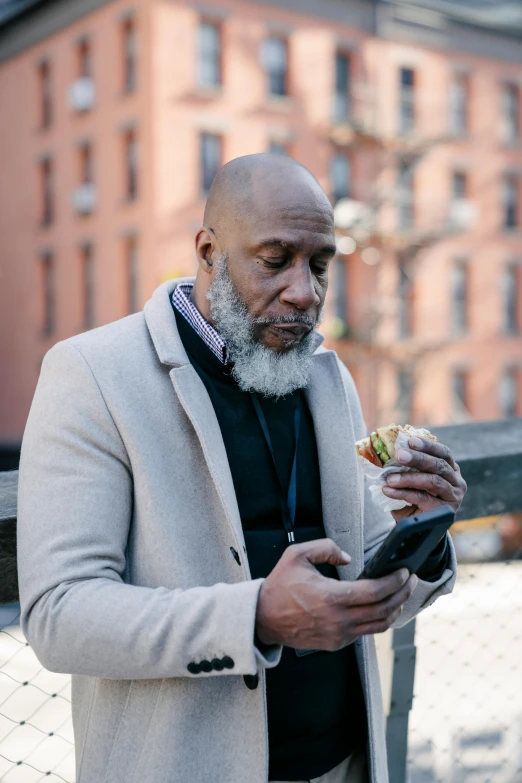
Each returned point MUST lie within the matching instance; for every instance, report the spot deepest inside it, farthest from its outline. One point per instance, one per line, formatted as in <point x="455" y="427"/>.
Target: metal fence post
<point x="404" y="654"/>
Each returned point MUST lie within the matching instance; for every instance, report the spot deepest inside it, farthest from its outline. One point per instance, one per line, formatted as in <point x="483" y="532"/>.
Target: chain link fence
<point x="466" y="722"/>
<point x="36" y="733"/>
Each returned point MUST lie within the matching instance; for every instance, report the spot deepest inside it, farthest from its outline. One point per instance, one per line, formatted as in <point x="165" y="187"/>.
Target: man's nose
<point x="300" y="291"/>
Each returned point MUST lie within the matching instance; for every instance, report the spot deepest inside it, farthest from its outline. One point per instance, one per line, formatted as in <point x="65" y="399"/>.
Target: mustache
<point x="299" y="318"/>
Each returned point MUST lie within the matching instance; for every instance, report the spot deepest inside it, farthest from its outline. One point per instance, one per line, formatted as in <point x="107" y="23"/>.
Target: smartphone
<point x="410" y="543"/>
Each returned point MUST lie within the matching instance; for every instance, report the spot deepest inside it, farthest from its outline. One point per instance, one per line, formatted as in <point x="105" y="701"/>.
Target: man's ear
<point x="205" y="249"/>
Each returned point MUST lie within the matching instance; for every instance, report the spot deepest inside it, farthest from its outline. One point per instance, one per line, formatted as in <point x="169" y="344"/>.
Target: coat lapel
<point x="334" y="432"/>
<point x="195" y="401"/>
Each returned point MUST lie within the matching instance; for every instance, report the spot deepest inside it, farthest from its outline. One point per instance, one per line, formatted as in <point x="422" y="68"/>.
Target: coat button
<point x="205" y="666"/>
<point x="227" y="662"/>
<point x="217" y="664"/>
<point x="251" y="681"/>
<point x="235" y="555"/>
<point x="193" y="668"/>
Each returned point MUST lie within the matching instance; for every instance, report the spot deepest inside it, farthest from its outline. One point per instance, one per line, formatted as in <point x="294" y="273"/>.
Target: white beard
<point x="256" y="367"/>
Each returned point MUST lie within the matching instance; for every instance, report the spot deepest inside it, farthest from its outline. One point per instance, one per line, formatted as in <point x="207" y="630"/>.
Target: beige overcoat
<point x="127" y="521"/>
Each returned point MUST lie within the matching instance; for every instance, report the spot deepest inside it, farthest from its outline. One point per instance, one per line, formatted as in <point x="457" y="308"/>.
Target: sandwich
<point x="379" y="446"/>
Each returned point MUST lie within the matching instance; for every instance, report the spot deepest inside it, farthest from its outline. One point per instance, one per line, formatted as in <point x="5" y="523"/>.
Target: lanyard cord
<point x="288" y="505"/>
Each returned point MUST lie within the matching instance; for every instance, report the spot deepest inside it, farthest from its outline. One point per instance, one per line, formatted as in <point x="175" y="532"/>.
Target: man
<point x="185" y="472"/>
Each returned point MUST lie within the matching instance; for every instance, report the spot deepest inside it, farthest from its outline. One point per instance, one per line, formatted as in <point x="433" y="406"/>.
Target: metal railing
<point x="452" y="680"/>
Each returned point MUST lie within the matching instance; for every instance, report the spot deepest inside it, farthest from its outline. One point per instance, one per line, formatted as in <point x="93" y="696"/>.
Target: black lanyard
<point x="288" y="503"/>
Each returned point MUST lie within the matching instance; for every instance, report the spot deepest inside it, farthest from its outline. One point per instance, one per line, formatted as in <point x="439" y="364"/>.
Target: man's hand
<point x="298" y="607"/>
<point x="438" y="482"/>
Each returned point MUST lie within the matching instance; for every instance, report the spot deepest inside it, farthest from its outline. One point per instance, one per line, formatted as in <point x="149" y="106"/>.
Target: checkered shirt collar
<point x="210" y="336"/>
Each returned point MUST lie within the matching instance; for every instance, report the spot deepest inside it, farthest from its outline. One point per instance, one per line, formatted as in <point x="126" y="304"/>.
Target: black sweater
<point x="316" y="712"/>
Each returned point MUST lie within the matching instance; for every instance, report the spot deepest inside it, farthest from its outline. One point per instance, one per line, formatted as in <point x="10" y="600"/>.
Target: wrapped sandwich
<point x="377" y="456"/>
<point x="379" y="447"/>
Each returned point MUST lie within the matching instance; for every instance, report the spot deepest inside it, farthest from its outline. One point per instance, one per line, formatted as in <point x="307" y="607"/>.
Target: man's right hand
<point x="298" y="607"/>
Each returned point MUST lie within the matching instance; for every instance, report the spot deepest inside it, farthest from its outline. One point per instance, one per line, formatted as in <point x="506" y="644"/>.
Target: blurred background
<point x="115" y="116"/>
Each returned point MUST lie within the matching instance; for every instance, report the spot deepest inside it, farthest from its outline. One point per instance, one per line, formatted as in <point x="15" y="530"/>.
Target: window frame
<point x="342" y="97"/>
<point x="48" y="271"/>
<point x="129" y="56"/>
<point x="512" y="376"/>
<point x="47" y="177"/>
<point x="406" y="115"/>
<point x="459" y="104"/>
<point x="272" y="76"/>
<point x="460" y="299"/>
<point x="510" y="124"/>
<point x="88" y="286"/>
<point x="217" y="55"/>
<point x="205" y="182"/>
<point x="46" y="104"/>
<point x="511" y="202"/>
<point x="345" y="190"/>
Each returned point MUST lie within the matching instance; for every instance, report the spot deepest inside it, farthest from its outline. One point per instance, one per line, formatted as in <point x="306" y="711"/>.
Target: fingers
<point x="378" y="627"/>
<point x="417" y="497"/>
<point x="368" y="591"/>
<point x="323" y="550"/>
<point x="434" y="449"/>
<point x="432" y="483"/>
<point x="426" y="462"/>
<point x="381" y="611"/>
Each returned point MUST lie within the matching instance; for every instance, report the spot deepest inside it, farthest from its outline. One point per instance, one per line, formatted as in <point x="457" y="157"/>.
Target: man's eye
<point x="320" y="269"/>
<point x="275" y="263"/>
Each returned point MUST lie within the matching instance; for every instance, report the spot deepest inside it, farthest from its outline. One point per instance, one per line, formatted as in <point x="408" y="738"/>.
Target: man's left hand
<point x="438" y="481"/>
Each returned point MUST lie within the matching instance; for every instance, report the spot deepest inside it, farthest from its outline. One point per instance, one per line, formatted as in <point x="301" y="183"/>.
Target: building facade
<point x="116" y="115"/>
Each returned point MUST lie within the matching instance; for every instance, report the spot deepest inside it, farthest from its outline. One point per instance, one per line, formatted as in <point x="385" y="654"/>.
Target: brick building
<point x="116" y="114"/>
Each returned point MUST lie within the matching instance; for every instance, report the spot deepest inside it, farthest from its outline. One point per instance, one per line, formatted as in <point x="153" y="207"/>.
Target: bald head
<point x="252" y="187"/>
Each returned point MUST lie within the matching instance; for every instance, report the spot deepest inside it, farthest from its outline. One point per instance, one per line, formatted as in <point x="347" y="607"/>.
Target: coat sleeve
<point x="378" y="523"/>
<point x="74" y="513"/>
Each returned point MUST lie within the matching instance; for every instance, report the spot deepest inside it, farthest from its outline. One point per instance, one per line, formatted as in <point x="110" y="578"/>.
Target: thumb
<point x="322" y="550"/>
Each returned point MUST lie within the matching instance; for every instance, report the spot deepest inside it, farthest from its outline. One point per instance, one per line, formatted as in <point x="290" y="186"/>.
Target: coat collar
<point x="161" y="323"/>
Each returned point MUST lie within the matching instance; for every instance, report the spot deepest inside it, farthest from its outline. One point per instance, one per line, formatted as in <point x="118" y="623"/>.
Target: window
<point x="459" y="297"/>
<point x="339" y="294"/>
<point x="132" y="274"/>
<point x="510" y="113"/>
<point x="277" y="148"/>
<point x="49" y="293"/>
<point x="47" y="184"/>
<point x="84" y="59"/>
<point x="46" y="104"/>
<point x="460" y="384"/>
<point x="275" y="62"/>
<point x="406" y="100"/>
<point x="404" y="395"/>
<point x="209" y="55"/>
<point x="459" y="185"/>
<point x="342" y="87"/>
<point x="508" y="393"/>
<point x="459" y="99"/>
<point x="129" y="56"/>
<point x="131" y="165"/>
<point x="340" y="176"/>
<point x="510" y="199"/>
<point x="210" y="159"/>
<point x="510" y="298"/>
<point x="405" y="196"/>
<point x="87" y="270"/>
<point x="86" y="172"/>
<point x="405" y="302"/>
